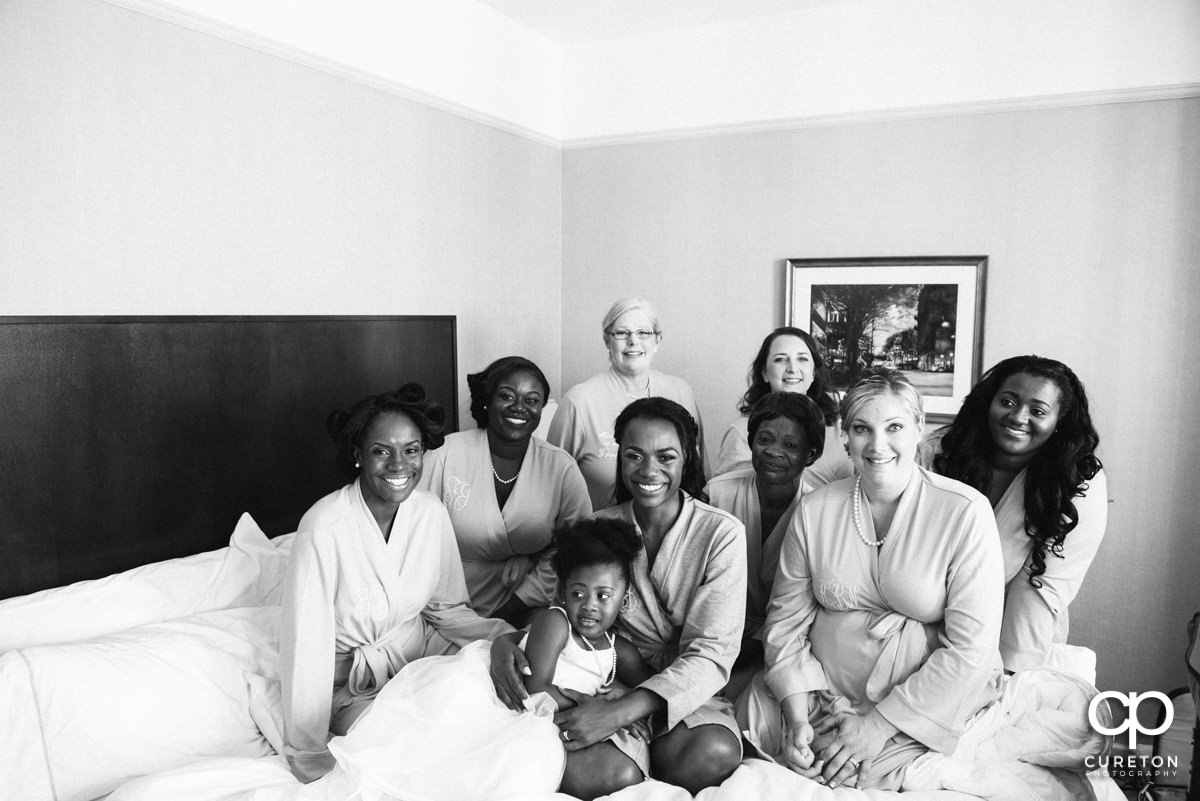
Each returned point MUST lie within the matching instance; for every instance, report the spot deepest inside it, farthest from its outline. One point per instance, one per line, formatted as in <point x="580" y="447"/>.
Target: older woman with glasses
<point x="583" y="424"/>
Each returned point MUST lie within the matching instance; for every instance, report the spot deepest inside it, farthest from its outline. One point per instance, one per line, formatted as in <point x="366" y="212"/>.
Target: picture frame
<point x="920" y="315"/>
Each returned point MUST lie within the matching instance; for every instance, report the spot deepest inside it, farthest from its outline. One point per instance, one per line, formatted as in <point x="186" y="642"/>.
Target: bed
<point x="154" y="675"/>
<point x="160" y="684"/>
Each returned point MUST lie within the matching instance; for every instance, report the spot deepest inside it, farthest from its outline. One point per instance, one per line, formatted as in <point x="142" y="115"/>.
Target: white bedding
<point x="269" y="780"/>
<point x="1038" y="721"/>
<point x="259" y="780"/>
<point x="116" y="653"/>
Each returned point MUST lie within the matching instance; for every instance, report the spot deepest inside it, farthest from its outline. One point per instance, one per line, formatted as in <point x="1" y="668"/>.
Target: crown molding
<point x="1107" y="97"/>
<point x="272" y="47"/>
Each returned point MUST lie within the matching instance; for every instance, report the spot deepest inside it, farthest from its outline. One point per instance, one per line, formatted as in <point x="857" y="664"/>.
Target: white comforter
<point x="1015" y="751"/>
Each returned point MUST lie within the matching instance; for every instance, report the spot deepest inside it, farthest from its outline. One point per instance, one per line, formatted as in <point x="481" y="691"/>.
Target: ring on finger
<point x="853" y="763"/>
<point x="566" y="735"/>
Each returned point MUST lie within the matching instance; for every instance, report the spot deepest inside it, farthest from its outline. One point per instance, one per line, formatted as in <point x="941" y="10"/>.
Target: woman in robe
<point x="684" y="615"/>
<point x="786" y="435"/>
<point x="506" y="490"/>
<point x="883" y="627"/>
<point x="374" y="579"/>
<point x="583" y="423"/>
<point x="1024" y="438"/>
<point x="788" y="360"/>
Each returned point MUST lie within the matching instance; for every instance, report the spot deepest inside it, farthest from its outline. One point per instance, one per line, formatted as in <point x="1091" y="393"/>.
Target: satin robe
<point x="1036" y="619"/>
<point x="687" y="617"/>
<point x="910" y="628"/>
<point x="737" y="493"/>
<point x="505" y="551"/>
<point x="356" y="609"/>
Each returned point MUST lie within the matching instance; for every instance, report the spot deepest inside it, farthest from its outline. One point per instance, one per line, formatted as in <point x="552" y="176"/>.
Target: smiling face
<point x="515" y="408"/>
<point x="593" y="598"/>
<point x="652" y="461"/>
<point x="790" y="366"/>
<point x="390" y="458"/>
<point x="632" y="356"/>
<point x="1023" y="415"/>
<point x="779" y="451"/>
<point x="882" y="438"/>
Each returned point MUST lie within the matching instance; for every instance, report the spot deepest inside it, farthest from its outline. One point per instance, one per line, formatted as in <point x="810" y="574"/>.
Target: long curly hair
<point x="689" y="437"/>
<point x="757" y="386"/>
<point x="348" y="427"/>
<point x="483" y="384"/>
<point x="1059" y="470"/>
<point x="595" y="541"/>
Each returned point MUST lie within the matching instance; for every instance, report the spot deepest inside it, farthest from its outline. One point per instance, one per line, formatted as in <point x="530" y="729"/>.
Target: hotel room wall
<point x="1089" y="218"/>
<point x="150" y="169"/>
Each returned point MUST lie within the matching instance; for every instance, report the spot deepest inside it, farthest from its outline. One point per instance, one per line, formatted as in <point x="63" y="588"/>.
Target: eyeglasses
<point x="623" y="335"/>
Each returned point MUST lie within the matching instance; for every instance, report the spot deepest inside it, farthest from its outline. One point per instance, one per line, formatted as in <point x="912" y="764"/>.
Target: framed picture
<point x="922" y="316"/>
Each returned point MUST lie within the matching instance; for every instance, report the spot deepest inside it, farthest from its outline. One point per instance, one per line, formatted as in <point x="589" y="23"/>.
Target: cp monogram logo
<point x="1131" y="724"/>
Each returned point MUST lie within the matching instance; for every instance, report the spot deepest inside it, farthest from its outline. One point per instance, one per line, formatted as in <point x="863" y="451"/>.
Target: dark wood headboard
<point x="127" y="440"/>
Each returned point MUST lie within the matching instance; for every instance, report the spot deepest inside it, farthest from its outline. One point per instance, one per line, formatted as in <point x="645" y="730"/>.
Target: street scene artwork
<point x="921" y="316"/>
<point x="907" y="327"/>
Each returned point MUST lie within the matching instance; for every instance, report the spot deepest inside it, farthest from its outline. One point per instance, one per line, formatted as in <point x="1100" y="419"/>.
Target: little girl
<point x="437" y="730"/>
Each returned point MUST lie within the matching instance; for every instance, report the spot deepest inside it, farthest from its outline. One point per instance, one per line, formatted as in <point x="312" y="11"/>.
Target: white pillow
<point x="217" y="779"/>
<point x="249" y="572"/>
<point x="83" y="718"/>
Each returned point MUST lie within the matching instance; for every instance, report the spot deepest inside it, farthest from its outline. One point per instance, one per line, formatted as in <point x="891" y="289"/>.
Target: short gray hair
<point x="880" y="382"/>
<point x="627" y="305"/>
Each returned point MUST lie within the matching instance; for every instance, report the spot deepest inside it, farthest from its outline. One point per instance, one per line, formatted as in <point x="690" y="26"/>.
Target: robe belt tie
<point x="664" y="653"/>
<point x="369" y="670"/>
<point x="515" y="569"/>
<point x="905" y="646"/>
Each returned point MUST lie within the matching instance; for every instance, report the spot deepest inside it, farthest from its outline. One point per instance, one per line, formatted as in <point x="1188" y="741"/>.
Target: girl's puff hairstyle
<point x="349" y="427"/>
<point x="818" y="390"/>
<point x="879" y="382"/>
<point x="798" y="408"/>
<point x="689" y="437"/>
<point x="1059" y="470"/>
<point x="595" y="541"/>
<point x="483" y="385"/>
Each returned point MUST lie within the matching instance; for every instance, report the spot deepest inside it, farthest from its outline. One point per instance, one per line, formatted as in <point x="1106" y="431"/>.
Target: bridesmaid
<point x="685" y="617"/>
<point x="1024" y="438"/>
<point x="788" y="360"/>
<point x="787" y="434"/>
<point x="506" y="491"/>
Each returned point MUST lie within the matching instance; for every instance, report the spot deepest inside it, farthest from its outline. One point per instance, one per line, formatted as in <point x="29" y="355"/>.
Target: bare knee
<point x="598" y="771"/>
<point x="696" y="758"/>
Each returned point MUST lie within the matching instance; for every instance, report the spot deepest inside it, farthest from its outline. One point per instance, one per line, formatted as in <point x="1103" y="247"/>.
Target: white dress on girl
<point x="437" y="731"/>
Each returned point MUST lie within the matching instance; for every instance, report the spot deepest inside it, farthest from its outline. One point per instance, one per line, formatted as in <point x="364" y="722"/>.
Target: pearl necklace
<point x="612" y="673"/>
<point x="505" y="482"/>
<point x="858" y="526"/>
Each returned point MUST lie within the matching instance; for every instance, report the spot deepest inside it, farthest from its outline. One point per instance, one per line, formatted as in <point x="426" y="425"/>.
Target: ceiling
<point x="585" y="72"/>
<point x="567" y="21"/>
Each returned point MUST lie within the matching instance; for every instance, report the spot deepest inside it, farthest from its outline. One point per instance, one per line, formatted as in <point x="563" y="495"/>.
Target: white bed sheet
<point x="268" y="779"/>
